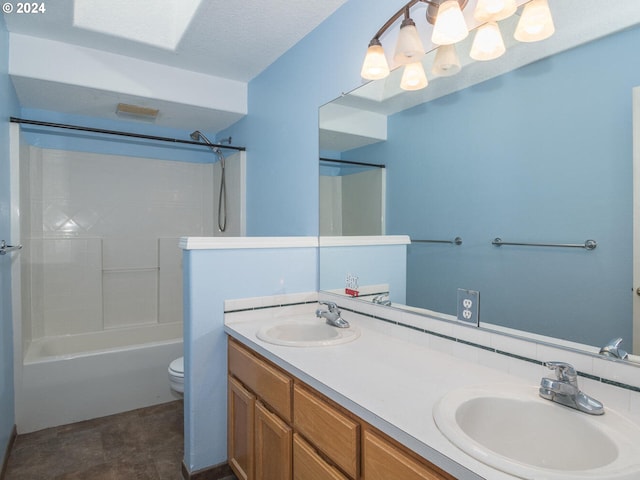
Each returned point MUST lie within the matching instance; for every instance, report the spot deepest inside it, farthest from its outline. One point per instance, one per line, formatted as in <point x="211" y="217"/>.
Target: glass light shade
<point x="409" y="47"/>
<point x="450" y="26"/>
<point x="488" y="43"/>
<point x="375" y="64"/>
<point x="446" y="62"/>
<point x="494" y="10"/>
<point x="535" y="22"/>
<point x="413" y="77"/>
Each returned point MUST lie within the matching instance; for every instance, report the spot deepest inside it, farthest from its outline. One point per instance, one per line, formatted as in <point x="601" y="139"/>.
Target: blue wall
<point x="8" y="107"/>
<point x="210" y="278"/>
<point x="281" y="129"/>
<point x="281" y="135"/>
<point x="542" y="154"/>
<point x="372" y="264"/>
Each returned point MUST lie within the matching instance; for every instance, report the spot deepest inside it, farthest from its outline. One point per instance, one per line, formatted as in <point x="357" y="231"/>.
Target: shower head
<point x="199" y="136"/>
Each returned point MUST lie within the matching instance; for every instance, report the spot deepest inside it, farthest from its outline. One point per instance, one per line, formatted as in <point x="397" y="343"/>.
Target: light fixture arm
<point x="403" y="11"/>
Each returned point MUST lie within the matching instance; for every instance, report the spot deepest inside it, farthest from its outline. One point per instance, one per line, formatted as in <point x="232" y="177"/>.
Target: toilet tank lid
<point x="177" y="365"/>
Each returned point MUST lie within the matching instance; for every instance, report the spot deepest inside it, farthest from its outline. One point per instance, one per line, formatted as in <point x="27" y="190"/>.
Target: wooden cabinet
<point x="281" y="429"/>
<point x="241" y="404"/>
<point x="308" y="465"/>
<point x="267" y="382"/>
<point x="331" y="431"/>
<point x="383" y="460"/>
<point x="273" y="449"/>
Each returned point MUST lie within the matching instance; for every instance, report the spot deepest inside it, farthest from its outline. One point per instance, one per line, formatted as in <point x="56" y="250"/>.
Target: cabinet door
<point x="240" y="405"/>
<point x="330" y="431"/>
<point x="307" y="464"/>
<point x="272" y="446"/>
<point x="385" y="461"/>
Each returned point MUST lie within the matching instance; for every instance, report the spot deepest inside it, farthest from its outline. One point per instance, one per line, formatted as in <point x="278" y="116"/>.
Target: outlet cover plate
<point x="469" y="306"/>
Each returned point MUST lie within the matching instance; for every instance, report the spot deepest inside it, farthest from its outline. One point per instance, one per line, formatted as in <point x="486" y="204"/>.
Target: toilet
<point x="176" y="375"/>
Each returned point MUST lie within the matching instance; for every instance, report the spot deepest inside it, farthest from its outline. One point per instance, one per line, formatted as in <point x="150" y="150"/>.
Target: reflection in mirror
<point x="351" y="198"/>
<point x="535" y="147"/>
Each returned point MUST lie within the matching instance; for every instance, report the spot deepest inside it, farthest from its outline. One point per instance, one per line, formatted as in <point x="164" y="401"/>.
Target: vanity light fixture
<point x="409" y="47"/>
<point x="488" y="43"/>
<point x="494" y="10"/>
<point x="375" y="64"/>
<point x="449" y="28"/>
<point x="413" y="77"/>
<point x="536" y="22"/>
<point x="447" y="62"/>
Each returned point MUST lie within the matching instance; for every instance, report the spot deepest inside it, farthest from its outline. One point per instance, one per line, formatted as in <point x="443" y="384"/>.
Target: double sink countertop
<point x="391" y="377"/>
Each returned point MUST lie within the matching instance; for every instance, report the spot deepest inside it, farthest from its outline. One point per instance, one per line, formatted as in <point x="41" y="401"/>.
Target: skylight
<point x="160" y="23"/>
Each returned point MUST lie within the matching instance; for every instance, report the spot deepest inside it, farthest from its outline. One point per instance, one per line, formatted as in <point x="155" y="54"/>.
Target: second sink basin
<point x="306" y="332"/>
<point x="514" y="430"/>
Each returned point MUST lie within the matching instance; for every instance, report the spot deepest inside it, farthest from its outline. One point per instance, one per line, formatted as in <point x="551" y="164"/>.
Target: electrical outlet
<point x="469" y="306"/>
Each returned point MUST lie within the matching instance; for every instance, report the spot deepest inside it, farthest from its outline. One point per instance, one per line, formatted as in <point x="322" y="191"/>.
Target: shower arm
<point x="198" y="135"/>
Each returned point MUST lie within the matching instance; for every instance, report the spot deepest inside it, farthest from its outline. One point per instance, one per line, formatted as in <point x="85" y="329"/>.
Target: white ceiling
<point x="236" y="41"/>
<point x="224" y="39"/>
<point x="228" y="39"/>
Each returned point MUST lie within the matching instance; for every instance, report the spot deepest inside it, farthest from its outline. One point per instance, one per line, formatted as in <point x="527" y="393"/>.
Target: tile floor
<point x="141" y="444"/>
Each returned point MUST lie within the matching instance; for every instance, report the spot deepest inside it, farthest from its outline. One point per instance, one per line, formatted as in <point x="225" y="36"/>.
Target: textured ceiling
<point x="228" y="39"/>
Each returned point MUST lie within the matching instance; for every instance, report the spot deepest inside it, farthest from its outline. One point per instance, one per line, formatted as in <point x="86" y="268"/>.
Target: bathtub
<point x="71" y="378"/>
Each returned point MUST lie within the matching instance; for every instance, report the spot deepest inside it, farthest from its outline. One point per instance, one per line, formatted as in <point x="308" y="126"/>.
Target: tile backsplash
<point x="610" y="381"/>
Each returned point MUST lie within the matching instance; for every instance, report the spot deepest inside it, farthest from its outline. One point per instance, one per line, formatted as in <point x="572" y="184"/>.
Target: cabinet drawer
<point x="307" y="464"/>
<point x="384" y="461"/>
<point x="264" y="380"/>
<point x="332" y="432"/>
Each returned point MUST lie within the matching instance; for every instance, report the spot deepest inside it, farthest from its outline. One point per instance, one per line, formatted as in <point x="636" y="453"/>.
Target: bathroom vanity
<point x="280" y="427"/>
<point x="365" y="409"/>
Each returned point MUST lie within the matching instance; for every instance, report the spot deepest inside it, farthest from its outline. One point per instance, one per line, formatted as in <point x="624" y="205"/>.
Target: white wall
<point x="353" y="204"/>
<point x="363" y="203"/>
<point x="102" y="235"/>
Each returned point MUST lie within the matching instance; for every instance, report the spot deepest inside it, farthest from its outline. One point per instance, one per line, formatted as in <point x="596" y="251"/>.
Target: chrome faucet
<point x="564" y="390"/>
<point x="382" y="299"/>
<point x="332" y="315"/>
<point x="612" y="349"/>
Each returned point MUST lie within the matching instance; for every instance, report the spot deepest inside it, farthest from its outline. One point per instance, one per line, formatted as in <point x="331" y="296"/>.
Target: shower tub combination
<point x="71" y="378"/>
<point x="97" y="288"/>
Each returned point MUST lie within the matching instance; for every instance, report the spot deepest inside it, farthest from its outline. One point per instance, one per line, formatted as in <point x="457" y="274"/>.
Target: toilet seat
<point x="177" y="367"/>
<point x="176" y="374"/>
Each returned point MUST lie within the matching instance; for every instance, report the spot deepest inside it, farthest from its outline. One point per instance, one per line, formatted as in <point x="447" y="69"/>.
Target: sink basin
<point x="306" y="332"/>
<point x="514" y="430"/>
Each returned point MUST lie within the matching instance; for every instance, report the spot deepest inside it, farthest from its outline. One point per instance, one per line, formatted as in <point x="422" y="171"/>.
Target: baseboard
<point x="5" y="461"/>
<point x="216" y="472"/>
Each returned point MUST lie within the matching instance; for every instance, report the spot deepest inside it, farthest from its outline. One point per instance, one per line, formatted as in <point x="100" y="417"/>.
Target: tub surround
<point x="396" y="392"/>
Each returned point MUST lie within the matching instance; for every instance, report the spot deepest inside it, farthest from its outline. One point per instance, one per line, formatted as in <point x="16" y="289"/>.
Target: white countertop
<point x="389" y="382"/>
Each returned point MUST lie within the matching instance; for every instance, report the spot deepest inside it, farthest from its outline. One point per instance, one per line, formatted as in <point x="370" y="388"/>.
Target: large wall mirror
<point x="534" y="147"/>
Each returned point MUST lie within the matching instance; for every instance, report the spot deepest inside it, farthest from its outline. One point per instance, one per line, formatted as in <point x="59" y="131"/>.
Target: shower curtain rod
<point x="362" y="164"/>
<point x="116" y="132"/>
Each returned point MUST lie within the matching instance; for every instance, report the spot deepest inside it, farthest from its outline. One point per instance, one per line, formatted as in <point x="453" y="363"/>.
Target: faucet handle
<point x="612" y="349"/>
<point x="332" y="306"/>
<point x="564" y="371"/>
